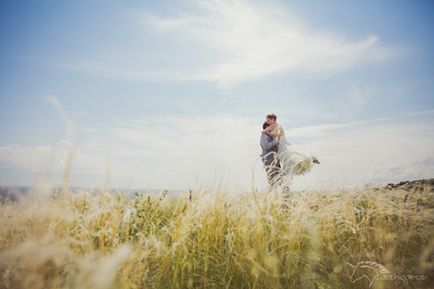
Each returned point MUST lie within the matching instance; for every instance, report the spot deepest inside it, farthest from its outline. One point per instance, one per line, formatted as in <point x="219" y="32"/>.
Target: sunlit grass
<point x="217" y="240"/>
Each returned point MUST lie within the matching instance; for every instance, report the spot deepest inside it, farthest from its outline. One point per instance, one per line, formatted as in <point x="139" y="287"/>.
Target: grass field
<point x="216" y="240"/>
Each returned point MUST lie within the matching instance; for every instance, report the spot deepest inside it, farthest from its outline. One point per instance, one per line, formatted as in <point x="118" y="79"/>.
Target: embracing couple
<point x="281" y="160"/>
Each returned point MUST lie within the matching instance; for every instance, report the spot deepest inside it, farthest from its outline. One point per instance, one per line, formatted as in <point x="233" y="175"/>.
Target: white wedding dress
<point x="292" y="161"/>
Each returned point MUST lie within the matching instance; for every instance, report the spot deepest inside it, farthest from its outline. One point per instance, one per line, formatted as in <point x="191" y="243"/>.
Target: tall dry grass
<point x="217" y="240"/>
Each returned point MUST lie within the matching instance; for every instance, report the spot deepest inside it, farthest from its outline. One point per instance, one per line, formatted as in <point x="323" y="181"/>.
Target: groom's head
<point x="265" y="125"/>
<point x="271" y="119"/>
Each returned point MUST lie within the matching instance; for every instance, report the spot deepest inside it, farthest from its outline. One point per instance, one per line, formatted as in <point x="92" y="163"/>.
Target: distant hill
<point x="416" y="185"/>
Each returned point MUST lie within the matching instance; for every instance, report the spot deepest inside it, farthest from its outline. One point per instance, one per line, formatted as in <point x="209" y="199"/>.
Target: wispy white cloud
<point x="229" y="42"/>
<point x="254" y="40"/>
<point x="316" y="131"/>
<point x="375" y="153"/>
<point x="36" y="164"/>
<point x="182" y="150"/>
<point x="22" y="156"/>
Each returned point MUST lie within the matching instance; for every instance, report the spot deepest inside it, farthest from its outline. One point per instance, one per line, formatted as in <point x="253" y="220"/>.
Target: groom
<point x="269" y="156"/>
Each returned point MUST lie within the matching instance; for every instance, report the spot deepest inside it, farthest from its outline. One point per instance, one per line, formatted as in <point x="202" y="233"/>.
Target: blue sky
<point x="171" y="94"/>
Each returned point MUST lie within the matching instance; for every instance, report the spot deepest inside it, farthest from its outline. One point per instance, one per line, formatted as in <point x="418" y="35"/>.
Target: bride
<point x="292" y="161"/>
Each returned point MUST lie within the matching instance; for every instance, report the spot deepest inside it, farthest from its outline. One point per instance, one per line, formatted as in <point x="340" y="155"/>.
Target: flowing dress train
<point x="292" y="160"/>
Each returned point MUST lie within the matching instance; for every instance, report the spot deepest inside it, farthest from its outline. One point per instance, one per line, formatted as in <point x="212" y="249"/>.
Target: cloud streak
<point x="256" y="40"/>
<point x="373" y="153"/>
<point x="230" y="42"/>
<point x="327" y="129"/>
